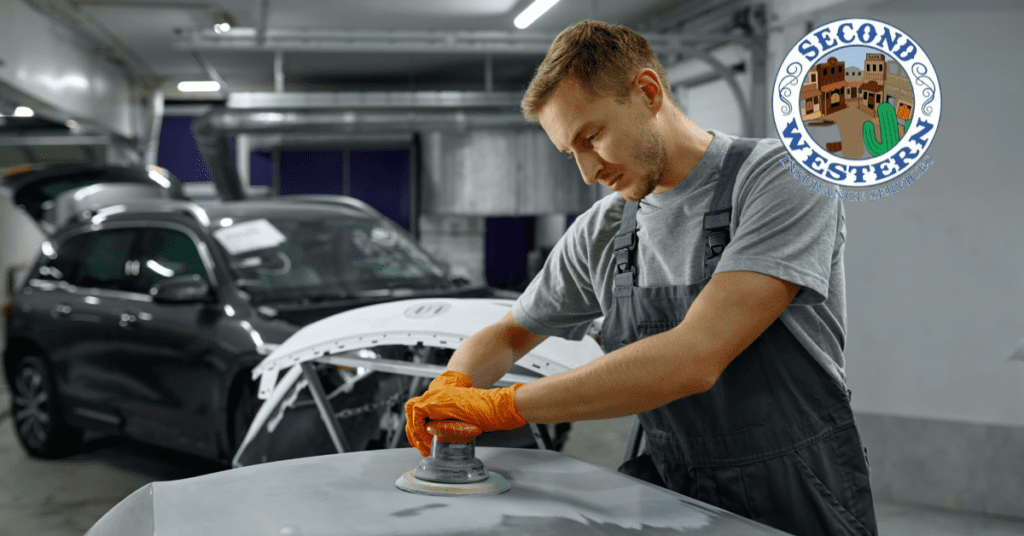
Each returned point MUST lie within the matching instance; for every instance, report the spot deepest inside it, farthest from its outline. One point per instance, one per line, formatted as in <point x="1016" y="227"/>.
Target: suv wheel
<point x="34" y="408"/>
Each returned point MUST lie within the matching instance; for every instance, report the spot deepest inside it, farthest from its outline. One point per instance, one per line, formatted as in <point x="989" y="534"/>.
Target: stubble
<point x="650" y="152"/>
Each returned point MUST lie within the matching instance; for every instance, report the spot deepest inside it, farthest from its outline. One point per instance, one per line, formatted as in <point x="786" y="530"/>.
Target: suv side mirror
<point x="190" y="288"/>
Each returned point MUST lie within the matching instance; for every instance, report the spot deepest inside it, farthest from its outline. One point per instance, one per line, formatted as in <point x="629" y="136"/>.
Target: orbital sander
<point x="452" y="467"/>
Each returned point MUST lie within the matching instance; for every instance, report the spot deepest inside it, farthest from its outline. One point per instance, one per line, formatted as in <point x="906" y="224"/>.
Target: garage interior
<point x="413" y="108"/>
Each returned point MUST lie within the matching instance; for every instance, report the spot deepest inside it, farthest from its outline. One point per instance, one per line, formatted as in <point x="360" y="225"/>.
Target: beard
<point x="650" y="152"/>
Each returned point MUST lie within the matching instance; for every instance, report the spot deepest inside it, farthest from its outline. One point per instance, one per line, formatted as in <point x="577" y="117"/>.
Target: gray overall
<point x="774" y="440"/>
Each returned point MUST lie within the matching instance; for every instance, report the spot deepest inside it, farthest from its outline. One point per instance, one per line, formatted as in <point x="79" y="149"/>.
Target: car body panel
<point x="348" y="339"/>
<point x="355" y="493"/>
<point x="75" y="330"/>
<point x="433" y="322"/>
<point x="169" y="351"/>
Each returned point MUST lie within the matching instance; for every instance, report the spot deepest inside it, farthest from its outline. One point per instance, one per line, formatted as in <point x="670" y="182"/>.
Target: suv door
<point x="75" y="291"/>
<point x="167" y="348"/>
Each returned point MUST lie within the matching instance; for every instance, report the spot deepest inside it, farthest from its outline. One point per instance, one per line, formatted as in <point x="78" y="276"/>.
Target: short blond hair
<point x="602" y="57"/>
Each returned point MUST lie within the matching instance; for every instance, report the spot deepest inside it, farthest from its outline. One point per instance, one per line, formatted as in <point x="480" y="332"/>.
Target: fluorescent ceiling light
<point x="24" y="111"/>
<point x="533" y="12"/>
<point x="208" y="85"/>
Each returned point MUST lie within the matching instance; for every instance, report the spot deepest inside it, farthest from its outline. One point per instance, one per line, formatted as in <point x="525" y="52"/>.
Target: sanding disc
<point x="494" y="485"/>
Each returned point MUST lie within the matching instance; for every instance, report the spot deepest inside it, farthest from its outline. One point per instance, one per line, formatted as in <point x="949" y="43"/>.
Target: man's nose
<point x="590" y="167"/>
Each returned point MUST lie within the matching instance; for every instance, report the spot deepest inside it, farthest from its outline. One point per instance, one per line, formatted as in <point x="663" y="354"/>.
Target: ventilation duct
<point x="513" y="171"/>
<point x="480" y="163"/>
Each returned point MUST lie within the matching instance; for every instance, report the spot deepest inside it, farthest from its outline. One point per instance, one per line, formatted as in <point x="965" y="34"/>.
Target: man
<point x="732" y="358"/>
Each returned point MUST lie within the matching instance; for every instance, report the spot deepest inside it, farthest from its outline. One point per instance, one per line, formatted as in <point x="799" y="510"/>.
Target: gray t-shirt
<point x="779" y="227"/>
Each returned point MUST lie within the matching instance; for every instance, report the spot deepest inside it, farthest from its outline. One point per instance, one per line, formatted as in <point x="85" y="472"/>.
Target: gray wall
<point x="934" y="281"/>
<point x="20" y="238"/>
<point x="936" y="290"/>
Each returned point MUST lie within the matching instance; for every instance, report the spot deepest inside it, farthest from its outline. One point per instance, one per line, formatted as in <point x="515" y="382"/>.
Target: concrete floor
<point x="65" y="497"/>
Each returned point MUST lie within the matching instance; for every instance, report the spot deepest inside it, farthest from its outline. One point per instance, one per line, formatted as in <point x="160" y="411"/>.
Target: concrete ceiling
<point x="162" y="34"/>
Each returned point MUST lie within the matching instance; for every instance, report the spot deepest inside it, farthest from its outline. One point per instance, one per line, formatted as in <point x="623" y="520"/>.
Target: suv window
<point x="165" y="253"/>
<point x="62" y="266"/>
<point x="104" y="261"/>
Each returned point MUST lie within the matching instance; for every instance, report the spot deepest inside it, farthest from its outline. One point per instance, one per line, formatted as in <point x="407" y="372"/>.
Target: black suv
<point x="146" y="318"/>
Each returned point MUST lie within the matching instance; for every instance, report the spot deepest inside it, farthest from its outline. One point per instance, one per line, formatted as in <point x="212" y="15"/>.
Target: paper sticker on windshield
<point x="249" y="236"/>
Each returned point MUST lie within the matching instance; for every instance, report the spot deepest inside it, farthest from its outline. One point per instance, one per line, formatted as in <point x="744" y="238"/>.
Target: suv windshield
<point x="319" y="256"/>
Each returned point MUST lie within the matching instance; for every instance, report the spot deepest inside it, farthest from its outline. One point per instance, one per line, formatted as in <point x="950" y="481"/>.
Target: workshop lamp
<point x="222" y="22"/>
<point x="20" y="111"/>
<point x="533" y="12"/>
<point x="198" y="86"/>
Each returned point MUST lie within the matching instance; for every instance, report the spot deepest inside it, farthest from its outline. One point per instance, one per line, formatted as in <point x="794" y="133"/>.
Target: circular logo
<point x="857" y="103"/>
<point x="427" y="310"/>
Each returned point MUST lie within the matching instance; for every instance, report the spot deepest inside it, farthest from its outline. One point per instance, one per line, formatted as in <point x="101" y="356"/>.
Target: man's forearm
<point x="485" y="356"/>
<point x="639" y="377"/>
<point x="730" y="313"/>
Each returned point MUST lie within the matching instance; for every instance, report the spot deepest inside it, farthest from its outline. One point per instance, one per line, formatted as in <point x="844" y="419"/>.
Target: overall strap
<point x="716" y="219"/>
<point x="624" y="246"/>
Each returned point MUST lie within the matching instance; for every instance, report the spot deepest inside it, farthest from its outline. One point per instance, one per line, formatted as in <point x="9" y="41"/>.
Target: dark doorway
<point x="508" y="242"/>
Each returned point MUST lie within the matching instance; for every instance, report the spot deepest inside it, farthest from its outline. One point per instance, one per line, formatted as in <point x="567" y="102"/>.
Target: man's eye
<point x="592" y="136"/>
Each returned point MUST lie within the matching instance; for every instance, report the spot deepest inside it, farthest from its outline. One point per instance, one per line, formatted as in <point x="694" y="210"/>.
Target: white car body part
<point x="432" y="322"/>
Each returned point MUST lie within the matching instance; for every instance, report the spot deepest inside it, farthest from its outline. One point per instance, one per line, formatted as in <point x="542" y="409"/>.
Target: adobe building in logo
<point x="857" y="104"/>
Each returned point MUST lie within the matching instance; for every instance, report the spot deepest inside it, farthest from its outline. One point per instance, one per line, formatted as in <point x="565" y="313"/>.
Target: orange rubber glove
<point x="491" y="409"/>
<point x="451" y="378"/>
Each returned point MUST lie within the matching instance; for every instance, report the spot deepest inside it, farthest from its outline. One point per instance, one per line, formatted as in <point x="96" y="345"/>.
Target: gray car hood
<point x="354" y="493"/>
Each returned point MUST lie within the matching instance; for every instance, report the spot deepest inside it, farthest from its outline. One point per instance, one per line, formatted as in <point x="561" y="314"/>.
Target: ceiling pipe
<point x="261" y="30"/>
<point x="375" y="100"/>
<point x="156" y="123"/>
<point x="279" y="72"/>
<point x="414" y="41"/>
<point x="231" y="122"/>
<point x="216" y="150"/>
<point x="489" y="73"/>
<point x="210" y="71"/>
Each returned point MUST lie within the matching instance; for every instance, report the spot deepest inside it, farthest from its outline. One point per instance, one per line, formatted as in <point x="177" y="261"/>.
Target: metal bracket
<point x="541" y="436"/>
<point x="324" y="406"/>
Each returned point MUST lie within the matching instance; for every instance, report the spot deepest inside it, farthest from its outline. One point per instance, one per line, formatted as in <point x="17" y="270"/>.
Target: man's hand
<point x="491" y="409"/>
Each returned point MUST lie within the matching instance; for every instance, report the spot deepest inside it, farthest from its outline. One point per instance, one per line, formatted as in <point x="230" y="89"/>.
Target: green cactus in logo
<point x="890" y="131"/>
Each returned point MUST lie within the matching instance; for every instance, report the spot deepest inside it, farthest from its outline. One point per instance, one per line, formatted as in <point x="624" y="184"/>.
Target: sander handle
<point x="454" y="431"/>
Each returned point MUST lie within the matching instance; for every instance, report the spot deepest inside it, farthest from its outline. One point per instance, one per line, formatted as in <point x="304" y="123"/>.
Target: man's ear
<point x="651" y="90"/>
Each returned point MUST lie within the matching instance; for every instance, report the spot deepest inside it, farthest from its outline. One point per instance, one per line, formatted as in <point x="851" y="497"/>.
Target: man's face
<point x="612" y="142"/>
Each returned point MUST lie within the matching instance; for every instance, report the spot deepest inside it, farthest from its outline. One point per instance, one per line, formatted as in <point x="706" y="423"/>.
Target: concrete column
<point x="243" y="162"/>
